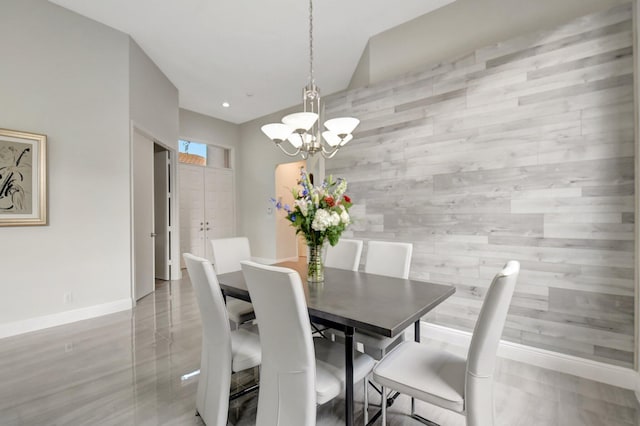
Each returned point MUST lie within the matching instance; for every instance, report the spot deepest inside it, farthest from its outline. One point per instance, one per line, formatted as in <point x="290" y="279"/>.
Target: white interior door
<point x="161" y="209"/>
<point x="192" y="225"/>
<point x="143" y="216"/>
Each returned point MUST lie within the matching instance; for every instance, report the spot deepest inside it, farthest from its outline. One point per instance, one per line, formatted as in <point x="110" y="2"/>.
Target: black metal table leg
<point x="416" y="337"/>
<point x="348" y="354"/>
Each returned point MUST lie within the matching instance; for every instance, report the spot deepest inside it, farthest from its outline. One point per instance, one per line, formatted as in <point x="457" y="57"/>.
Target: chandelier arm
<point x="279" y="145"/>
<point x="328" y="154"/>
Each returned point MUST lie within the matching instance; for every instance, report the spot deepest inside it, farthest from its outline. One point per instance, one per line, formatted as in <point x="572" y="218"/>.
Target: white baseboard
<point x="614" y="375"/>
<point x="60" y="318"/>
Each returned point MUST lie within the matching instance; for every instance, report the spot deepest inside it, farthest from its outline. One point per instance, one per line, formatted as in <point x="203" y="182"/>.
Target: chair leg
<point x="413" y="406"/>
<point x="245" y="391"/>
<point x="424" y="421"/>
<point x="384" y="406"/>
<point x="366" y="400"/>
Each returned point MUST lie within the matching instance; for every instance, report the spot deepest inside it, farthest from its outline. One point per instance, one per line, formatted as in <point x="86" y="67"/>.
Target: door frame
<point x="173" y="229"/>
<point x="162" y="205"/>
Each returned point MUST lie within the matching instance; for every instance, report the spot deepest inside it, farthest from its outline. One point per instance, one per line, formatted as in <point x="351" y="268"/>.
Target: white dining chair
<point x="344" y="255"/>
<point x="388" y="258"/>
<point x="298" y="372"/>
<point x="391" y="259"/>
<point x="223" y="351"/>
<point x="227" y="255"/>
<point x="447" y="380"/>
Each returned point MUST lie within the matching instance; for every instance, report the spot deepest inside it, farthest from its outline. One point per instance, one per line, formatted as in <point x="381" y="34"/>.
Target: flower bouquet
<point x="320" y="213"/>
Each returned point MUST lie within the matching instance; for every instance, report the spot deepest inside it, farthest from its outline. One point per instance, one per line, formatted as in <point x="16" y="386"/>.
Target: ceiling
<point x="252" y="54"/>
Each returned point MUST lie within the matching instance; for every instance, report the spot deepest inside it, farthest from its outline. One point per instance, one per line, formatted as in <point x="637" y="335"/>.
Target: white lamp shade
<point x="333" y="139"/>
<point x="277" y="131"/>
<point x="300" y="121"/>
<point x="342" y="125"/>
<point x="296" y="139"/>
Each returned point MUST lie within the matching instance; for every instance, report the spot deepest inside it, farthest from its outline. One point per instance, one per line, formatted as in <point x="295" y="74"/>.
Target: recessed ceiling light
<point x="226" y="104"/>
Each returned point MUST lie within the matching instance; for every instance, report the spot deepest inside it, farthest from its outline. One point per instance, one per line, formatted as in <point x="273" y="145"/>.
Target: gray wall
<point x="153" y="98"/>
<point x="257" y="161"/>
<point x="461" y="27"/>
<point x="153" y="106"/>
<point x="67" y="77"/>
<point x="361" y="76"/>
<point x="522" y="149"/>
<point x="81" y="83"/>
<point x="202" y="128"/>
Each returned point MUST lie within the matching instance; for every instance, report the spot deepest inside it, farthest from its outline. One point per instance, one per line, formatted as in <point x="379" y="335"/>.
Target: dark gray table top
<point x="374" y="303"/>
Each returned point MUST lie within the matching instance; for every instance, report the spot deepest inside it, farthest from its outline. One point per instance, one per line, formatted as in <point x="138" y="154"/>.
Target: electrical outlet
<point x="68" y="298"/>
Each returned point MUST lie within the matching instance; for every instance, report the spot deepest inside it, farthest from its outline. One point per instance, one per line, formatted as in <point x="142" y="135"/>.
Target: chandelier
<point x="302" y="129"/>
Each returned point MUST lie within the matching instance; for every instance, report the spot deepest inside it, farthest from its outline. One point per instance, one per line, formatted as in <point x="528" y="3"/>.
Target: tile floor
<point x="126" y="369"/>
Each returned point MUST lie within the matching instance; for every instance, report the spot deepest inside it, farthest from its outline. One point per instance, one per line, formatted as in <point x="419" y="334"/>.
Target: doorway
<point x="162" y="204"/>
<point x="152" y="204"/>
<point x="207" y="197"/>
<point x="288" y="245"/>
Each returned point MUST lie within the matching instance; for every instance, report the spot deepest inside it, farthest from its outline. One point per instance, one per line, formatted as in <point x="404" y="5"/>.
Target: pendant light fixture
<point x="302" y="129"/>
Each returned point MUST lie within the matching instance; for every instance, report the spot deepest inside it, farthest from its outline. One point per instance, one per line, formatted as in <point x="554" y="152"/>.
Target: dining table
<point x="352" y="300"/>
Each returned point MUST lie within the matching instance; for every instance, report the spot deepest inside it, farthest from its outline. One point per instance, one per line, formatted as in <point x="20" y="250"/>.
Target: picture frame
<point x="23" y="178"/>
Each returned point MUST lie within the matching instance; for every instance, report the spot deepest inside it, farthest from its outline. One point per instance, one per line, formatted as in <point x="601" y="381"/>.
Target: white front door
<point x="191" y="211"/>
<point x="143" y="216"/>
<point x="219" y="210"/>
<point x="207" y="208"/>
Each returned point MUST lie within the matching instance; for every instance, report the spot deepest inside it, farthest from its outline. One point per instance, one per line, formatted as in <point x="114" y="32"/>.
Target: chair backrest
<point x="229" y="252"/>
<point x="288" y="372"/>
<point x="388" y="258"/>
<point x="344" y="255"/>
<point x="212" y="399"/>
<point x="484" y="346"/>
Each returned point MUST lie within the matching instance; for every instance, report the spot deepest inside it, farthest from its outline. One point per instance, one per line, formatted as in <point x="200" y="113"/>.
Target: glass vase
<point x="315" y="267"/>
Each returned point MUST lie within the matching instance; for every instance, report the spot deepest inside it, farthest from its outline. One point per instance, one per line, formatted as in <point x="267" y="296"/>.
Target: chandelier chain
<point x="311" y="79"/>
<point x="303" y="130"/>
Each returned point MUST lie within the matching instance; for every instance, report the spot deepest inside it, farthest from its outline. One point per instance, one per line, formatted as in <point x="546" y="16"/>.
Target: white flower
<point x="340" y="188"/>
<point x="321" y="221"/>
<point x="344" y="217"/>
<point x="335" y="219"/>
<point x="302" y="205"/>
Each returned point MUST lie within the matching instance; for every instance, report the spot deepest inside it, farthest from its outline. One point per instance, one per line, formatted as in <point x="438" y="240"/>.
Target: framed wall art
<point x="23" y="178"/>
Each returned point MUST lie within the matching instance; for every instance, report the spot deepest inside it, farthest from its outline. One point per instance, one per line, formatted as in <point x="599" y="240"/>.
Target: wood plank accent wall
<point x="521" y="150"/>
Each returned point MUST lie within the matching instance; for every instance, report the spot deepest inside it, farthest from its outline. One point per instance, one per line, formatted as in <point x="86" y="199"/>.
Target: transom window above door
<point x="201" y="154"/>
